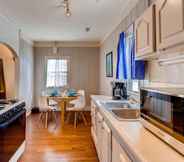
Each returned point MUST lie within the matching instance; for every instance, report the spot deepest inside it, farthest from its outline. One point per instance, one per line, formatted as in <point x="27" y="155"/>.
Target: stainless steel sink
<point x="126" y="114"/>
<point x="122" y="105"/>
<point x="123" y="110"/>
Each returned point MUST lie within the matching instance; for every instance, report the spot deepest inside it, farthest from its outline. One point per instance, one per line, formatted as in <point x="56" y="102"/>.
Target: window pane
<point x="57" y="72"/>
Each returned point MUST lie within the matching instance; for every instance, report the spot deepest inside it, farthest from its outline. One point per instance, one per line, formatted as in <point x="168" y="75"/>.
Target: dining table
<point x="62" y="101"/>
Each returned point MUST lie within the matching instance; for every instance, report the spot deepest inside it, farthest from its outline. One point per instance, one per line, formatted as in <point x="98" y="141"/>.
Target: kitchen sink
<point x="123" y="110"/>
<point x="122" y="105"/>
<point x="126" y="114"/>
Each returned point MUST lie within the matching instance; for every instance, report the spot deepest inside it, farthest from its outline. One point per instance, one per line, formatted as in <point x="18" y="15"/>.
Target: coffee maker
<point x="119" y="91"/>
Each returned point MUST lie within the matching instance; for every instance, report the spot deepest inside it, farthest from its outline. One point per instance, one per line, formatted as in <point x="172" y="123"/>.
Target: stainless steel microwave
<point x="162" y="112"/>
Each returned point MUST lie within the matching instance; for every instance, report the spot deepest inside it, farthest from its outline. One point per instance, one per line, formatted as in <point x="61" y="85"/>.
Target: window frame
<point x="130" y="31"/>
<point x="68" y="70"/>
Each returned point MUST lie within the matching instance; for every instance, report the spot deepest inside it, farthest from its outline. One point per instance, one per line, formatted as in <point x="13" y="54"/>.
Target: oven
<point x="162" y="112"/>
<point x="12" y="131"/>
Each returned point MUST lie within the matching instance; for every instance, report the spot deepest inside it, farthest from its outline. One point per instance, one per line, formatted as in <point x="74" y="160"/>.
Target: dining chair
<point x="78" y="108"/>
<point x="45" y="109"/>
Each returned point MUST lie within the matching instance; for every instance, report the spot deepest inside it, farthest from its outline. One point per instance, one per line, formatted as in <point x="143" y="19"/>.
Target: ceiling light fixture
<point x="65" y="4"/>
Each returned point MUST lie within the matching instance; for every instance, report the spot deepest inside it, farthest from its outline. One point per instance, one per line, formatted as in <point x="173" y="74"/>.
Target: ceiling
<point x="43" y="20"/>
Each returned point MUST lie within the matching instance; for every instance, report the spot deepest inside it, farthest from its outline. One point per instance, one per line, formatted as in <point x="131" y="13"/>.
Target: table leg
<point x="62" y="105"/>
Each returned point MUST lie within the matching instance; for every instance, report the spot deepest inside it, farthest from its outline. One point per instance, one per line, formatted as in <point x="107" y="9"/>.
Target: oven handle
<point x="10" y="121"/>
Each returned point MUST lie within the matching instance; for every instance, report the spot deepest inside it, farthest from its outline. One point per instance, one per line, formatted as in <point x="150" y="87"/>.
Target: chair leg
<point x="46" y="120"/>
<point x="68" y="117"/>
<point x="75" y="119"/>
<point x="40" y="116"/>
<point x="84" y="119"/>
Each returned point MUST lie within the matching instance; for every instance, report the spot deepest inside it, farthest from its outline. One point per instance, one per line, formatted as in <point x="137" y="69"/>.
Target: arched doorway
<point x="11" y="69"/>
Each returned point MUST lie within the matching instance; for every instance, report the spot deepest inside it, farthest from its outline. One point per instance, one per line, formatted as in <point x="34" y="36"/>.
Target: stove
<point x="12" y="128"/>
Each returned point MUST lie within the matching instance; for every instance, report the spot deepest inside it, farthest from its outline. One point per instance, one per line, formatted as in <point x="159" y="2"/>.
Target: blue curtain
<point x="137" y="66"/>
<point x="135" y="71"/>
<point x="121" y="71"/>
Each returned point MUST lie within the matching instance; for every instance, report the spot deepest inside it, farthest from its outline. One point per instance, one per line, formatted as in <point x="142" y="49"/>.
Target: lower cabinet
<point x="118" y="153"/>
<point x="107" y="146"/>
<point x="106" y="143"/>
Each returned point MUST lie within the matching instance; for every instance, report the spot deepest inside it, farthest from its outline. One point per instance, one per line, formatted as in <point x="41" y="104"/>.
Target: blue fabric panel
<point x="137" y="66"/>
<point x="121" y="71"/>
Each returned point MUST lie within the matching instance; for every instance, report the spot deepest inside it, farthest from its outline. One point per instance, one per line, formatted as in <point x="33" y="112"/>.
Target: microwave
<point x="162" y="113"/>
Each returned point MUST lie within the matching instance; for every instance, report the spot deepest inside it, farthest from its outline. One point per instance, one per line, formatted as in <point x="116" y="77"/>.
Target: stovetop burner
<point x="2" y="107"/>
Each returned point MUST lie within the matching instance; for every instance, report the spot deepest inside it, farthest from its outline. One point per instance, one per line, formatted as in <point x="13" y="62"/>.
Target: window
<point x="57" y="73"/>
<point x="132" y="85"/>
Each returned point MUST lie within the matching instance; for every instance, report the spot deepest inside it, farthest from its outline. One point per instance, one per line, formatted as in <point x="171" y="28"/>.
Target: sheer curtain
<point x="57" y="72"/>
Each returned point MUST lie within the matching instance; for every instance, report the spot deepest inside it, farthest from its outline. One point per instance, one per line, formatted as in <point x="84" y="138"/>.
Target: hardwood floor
<point x="56" y="145"/>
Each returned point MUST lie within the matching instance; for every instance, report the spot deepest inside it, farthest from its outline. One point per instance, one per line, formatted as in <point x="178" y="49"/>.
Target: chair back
<point x="81" y="101"/>
<point x="43" y="103"/>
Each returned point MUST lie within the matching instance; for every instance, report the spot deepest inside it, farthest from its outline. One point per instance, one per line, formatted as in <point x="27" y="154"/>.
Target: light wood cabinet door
<point x="106" y="143"/>
<point x="99" y="134"/>
<point x="170" y="23"/>
<point x="118" y="153"/>
<point x="145" y="33"/>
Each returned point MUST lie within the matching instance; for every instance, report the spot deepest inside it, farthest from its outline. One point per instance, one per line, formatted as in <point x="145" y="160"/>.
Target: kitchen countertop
<point x="141" y="143"/>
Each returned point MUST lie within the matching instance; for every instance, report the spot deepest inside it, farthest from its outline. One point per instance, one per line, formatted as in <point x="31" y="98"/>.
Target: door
<point x="106" y="143"/>
<point x="145" y="33"/>
<point x="118" y="152"/>
<point x="170" y="23"/>
<point x="99" y="135"/>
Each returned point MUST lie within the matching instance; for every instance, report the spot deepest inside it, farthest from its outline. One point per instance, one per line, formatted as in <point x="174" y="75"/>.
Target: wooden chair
<point x="78" y="108"/>
<point x="45" y="109"/>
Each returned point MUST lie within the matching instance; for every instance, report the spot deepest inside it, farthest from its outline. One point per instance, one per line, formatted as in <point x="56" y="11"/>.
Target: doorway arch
<point x="11" y="69"/>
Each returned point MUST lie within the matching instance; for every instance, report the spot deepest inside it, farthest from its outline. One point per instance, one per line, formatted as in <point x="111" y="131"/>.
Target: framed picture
<point x="109" y="64"/>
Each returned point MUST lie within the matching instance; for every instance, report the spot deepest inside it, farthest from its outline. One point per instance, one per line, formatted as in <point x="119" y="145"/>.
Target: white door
<point x="170" y="23"/>
<point x="118" y="152"/>
<point x="145" y="32"/>
<point x="106" y="143"/>
<point x="99" y="134"/>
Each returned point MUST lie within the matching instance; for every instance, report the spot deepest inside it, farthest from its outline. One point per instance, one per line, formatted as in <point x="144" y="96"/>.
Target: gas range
<point x="12" y="121"/>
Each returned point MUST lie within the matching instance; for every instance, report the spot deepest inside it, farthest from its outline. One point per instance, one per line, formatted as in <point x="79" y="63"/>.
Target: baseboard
<point x="18" y="153"/>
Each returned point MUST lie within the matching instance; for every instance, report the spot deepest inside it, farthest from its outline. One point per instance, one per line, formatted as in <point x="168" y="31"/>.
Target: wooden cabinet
<point x="94" y="122"/>
<point x="145" y="33"/>
<point x="106" y="143"/>
<point x="99" y="134"/>
<point x="118" y="153"/>
<point x="170" y="23"/>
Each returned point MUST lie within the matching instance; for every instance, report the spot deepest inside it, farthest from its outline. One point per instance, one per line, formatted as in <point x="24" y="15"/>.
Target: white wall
<point x="11" y="35"/>
<point x="26" y="72"/>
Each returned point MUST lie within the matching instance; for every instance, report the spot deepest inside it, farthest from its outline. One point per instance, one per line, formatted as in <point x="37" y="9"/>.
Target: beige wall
<point x="26" y="72"/>
<point x="84" y="68"/>
<point x="23" y="84"/>
<point x="110" y="44"/>
<point x="170" y="75"/>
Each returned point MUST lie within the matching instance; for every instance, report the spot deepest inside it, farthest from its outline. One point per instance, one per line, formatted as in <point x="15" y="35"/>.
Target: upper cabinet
<point x="169" y="23"/>
<point x="145" y="33"/>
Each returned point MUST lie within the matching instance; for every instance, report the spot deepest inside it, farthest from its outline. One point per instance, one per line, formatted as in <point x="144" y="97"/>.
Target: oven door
<point x="164" y="111"/>
<point x="12" y="135"/>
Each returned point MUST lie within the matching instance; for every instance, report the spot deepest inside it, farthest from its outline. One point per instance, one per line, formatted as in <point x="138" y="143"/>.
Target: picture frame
<point x="109" y="64"/>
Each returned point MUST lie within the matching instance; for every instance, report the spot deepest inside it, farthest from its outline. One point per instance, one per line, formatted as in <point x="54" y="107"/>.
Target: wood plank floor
<point x="56" y="145"/>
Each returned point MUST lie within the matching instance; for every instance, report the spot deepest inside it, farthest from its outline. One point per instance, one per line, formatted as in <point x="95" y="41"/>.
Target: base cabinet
<point x="107" y="146"/>
<point x="118" y="153"/>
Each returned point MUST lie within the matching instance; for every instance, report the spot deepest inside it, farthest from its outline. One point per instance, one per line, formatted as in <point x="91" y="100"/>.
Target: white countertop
<point x="143" y="145"/>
